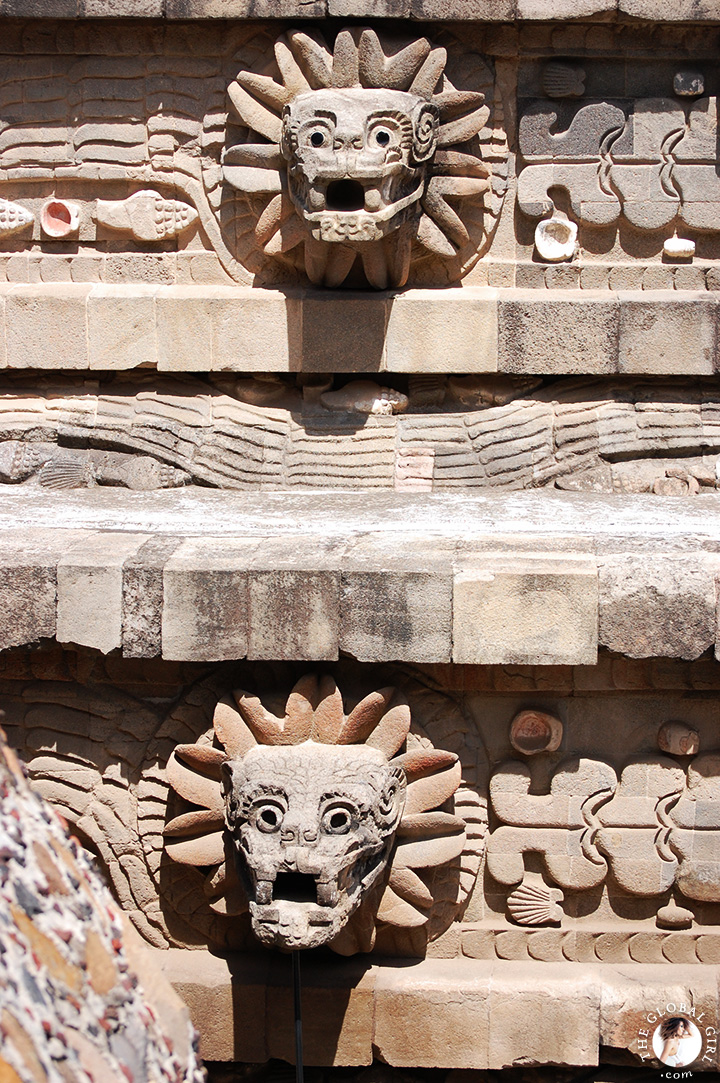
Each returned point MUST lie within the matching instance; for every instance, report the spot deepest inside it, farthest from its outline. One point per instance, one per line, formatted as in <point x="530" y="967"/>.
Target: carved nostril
<point x="345" y="195"/>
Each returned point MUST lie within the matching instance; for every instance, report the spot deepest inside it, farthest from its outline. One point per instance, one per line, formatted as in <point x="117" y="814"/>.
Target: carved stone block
<point x="204" y="600"/>
<point x="90" y="590"/>
<point x="531" y="325"/>
<point x="508" y="609"/>
<point x="639" y="602"/>
<point x="669" y="337"/>
<point x="414" y="623"/>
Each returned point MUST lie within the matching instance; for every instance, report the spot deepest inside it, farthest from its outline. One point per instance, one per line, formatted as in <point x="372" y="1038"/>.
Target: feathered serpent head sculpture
<point x="325" y="812"/>
<point x="361" y="151"/>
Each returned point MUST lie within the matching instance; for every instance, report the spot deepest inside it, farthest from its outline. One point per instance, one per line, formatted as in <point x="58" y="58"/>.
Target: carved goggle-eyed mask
<point x="358" y="159"/>
<point x="313" y="826"/>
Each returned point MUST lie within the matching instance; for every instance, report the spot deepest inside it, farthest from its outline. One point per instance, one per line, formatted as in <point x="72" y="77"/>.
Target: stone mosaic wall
<point x="71" y="1006"/>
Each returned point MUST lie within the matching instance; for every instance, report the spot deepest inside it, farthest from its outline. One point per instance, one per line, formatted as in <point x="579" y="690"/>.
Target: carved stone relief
<point x="194" y="171"/>
<point x="424" y="433"/>
<point x="366" y="150"/>
<point x="224" y="151"/>
<point x="332" y="819"/>
<point x="605" y="855"/>
<point x="648" y="160"/>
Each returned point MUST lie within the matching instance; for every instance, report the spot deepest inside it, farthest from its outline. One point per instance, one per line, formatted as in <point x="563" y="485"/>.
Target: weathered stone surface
<point x="187" y="328"/>
<point x="414" y="618"/>
<point x="664" y="335"/>
<point x="506" y="610"/>
<point x="420" y="995"/>
<point x="459" y="335"/>
<point x="226" y="594"/>
<point x="47" y="331"/>
<point x="559" y="334"/>
<point x="205" y="600"/>
<point x="657" y="606"/>
<point x="470" y="10"/>
<point x="293" y="613"/>
<point x="426" y="1006"/>
<point x="121" y="328"/>
<point x="90" y="590"/>
<point x="28" y="584"/>
<point x="357" y="319"/>
<point x="143" y="598"/>
<point x="568" y="1002"/>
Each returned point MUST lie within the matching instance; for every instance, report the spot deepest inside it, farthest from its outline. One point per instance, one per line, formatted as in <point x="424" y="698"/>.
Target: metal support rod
<point x="298" y="1018"/>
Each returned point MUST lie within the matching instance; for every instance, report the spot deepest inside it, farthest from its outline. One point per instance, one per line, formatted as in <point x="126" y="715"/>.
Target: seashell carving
<point x="534" y="903"/>
<point x="556" y="238"/>
<point x="146" y="216"/>
<point x="60" y="218"/>
<point x="563" y="80"/>
<point x="13" y="217"/>
<point x="678" y="739"/>
<point x="673" y="916"/>
<point x="65" y="473"/>
<point x="535" y="731"/>
<point x="365" y="397"/>
<point x="679" y="247"/>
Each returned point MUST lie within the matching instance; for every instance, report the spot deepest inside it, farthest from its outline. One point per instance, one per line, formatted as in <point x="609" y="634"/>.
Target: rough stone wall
<point x="71" y="1005"/>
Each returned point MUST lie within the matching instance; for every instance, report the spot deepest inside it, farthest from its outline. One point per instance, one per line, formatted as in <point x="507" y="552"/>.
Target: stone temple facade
<point x="359" y="510"/>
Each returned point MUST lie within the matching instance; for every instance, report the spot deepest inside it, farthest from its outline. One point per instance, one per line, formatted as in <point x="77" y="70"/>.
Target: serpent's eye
<point x="317" y="139"/>
<point x="268" y="818"/>
<point x="337" y="820"/>
<point x="382" y="137"/>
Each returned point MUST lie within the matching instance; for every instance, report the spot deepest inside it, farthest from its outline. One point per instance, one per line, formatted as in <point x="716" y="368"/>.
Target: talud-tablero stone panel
<point x="427" y="262"/>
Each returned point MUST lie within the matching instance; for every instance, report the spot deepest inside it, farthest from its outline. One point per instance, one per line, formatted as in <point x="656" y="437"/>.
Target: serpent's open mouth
<point x="345" y="195"/>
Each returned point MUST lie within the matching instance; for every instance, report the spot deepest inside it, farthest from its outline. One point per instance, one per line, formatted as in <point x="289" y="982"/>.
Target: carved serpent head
<point x="331" y="819"/>
<point x="313" y="826"/>
<point x="358" y="160"/>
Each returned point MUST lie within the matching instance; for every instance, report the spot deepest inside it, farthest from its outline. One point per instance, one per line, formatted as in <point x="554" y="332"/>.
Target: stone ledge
<point x="455" y="1013"/>
<point x="692" y="11"/>
<point x="198" y="575"/>
<point x="457" y="330"/>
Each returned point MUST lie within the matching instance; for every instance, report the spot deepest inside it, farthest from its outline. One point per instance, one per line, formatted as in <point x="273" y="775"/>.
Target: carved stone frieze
<point x="586" y="858"/>
<point x="650" y="160"/>
<point x="655" y="826"/>
<point x="196" y="161"/>
<point x="273" y="432"/>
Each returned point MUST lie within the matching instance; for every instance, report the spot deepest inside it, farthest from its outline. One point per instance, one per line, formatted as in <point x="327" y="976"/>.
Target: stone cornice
<point x="483" y="11"/>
